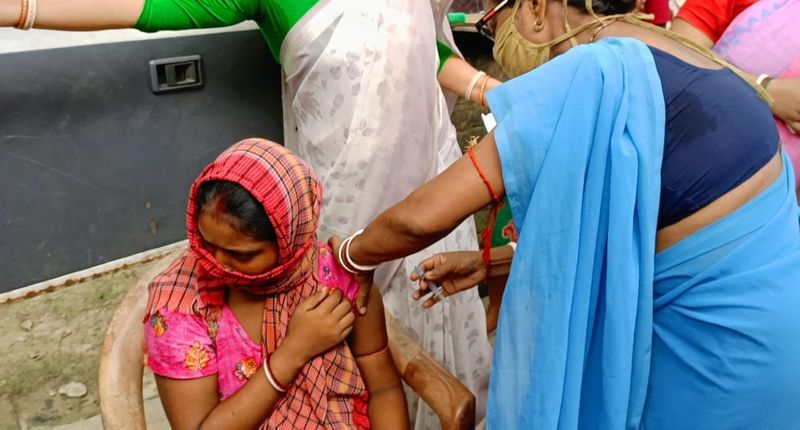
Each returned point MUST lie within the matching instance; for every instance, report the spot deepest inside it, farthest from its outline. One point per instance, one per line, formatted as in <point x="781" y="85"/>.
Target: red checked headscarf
<point x="322" y="395"/>
<point x="290" y="194"/>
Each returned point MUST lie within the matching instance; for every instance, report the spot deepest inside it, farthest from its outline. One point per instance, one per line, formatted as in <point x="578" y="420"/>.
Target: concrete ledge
<point x="90" y="273"/>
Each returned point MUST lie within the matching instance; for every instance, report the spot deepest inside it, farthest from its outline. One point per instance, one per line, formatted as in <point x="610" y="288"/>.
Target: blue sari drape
<point x="726" y="328"/>
<point x="596" y="331"/>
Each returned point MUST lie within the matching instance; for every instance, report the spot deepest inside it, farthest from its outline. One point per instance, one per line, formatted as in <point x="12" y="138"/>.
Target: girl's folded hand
<point x="319" y="323"/>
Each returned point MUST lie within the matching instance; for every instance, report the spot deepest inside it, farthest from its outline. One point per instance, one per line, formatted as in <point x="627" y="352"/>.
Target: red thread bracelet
<point x="497" y="203"/>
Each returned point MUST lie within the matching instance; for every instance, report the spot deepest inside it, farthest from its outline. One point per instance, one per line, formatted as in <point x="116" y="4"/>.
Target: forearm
<point x="253" y="404"/>
<point x="387" y="401"/>
<point x="456" y="75"/>
<point x="9" y="12"/>
<point x="433" y="210"/>
<point x="369" y="343"/>
<point x="387" y="409"/>
<point x="397" y="232"/>
<point x="500" y="261"/>
<point x="75" y="14"/>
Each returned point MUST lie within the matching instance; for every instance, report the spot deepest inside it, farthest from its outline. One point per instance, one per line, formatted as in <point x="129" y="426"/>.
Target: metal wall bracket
<point x="176" y="73"/>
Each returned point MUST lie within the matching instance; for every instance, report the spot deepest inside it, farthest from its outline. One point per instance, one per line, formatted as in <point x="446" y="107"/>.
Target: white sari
<point x="362" y="105"/>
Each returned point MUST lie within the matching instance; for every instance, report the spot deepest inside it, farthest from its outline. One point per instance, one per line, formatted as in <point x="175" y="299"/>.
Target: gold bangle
<point x="482" y="99"/>
<point x="23" y="15"/>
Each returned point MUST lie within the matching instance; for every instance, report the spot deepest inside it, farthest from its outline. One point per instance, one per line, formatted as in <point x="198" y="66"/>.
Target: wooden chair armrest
<point x="452" y="402"/>
<point x="122" y="357"/>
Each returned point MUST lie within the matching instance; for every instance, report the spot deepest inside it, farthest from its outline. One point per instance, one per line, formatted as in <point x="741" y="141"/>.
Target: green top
<point x="274" y="17"/>
<point x="444" y="53"/>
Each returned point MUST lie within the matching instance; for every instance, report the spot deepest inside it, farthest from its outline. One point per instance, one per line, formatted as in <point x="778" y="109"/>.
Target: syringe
<point x="435" y="288"/>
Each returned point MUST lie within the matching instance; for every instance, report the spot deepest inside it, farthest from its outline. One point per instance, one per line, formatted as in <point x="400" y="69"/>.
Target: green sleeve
<point x="444" y="54"/>
<point x="184" y="14"/>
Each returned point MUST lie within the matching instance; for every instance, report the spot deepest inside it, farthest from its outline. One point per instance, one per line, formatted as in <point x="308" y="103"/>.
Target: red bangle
<point x="373" y="354"/>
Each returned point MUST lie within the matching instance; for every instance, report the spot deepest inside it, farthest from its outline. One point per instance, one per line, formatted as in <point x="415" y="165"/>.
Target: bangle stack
<point x="482" y="98"/>
<point x="347" y="261"/>
<point x="27" y="15"/>
<point x="472" y="83"/>
<point x="280" y="388"/>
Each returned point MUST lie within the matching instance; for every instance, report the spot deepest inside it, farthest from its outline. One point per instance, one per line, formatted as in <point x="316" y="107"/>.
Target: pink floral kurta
<point x="181" y="346"/>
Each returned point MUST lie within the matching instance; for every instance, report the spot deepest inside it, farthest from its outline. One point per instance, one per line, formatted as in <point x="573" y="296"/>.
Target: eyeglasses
<point x="483" y="24"/>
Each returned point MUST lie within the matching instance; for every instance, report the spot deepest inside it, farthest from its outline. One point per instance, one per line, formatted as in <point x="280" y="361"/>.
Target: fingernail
<point x="362" y="310"/>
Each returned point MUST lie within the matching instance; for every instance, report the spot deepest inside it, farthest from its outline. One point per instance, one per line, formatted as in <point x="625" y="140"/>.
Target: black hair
<point x="602" y="7"/>
<point x="247" y="214"/>
<point x="605" y="7"/>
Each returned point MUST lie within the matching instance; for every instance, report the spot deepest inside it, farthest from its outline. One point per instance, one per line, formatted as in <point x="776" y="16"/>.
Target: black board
<point x="95" y="167"/>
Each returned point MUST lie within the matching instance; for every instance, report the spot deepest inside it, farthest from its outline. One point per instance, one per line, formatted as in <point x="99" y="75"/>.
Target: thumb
<point x="420" y="271"/>
<point x="362" y="298"/>
<point x="436" y="267"/>
<point x="334" y="242"/>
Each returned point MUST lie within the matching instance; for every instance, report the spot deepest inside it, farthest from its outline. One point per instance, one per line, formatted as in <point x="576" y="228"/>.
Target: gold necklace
<point x="600" y="28"/>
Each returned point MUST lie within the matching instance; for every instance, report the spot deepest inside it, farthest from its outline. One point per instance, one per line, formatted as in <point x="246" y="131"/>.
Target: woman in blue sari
<point x="656" y="284"/>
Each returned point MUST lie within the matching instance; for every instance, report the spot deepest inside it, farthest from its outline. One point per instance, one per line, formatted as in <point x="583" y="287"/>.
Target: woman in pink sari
<point x="764" y="41"/>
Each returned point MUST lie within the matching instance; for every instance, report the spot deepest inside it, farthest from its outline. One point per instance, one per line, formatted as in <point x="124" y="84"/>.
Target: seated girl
<point x="253" y="326"/>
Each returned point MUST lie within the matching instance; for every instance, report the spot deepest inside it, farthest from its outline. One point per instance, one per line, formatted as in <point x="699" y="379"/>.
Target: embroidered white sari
<point x="362" y="105"/>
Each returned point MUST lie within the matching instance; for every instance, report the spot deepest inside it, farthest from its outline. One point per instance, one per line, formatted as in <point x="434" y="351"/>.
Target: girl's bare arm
<point x="369" y="341"/>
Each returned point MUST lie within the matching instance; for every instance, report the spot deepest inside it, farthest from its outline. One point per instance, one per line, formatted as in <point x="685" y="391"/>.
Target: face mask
<point x="517" y="55"/>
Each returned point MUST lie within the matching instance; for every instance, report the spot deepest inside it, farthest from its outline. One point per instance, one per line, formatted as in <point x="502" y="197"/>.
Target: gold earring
<point x="538" y="25"/>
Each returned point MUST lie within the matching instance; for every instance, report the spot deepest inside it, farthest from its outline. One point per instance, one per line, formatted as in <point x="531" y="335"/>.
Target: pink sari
<point x="765" y="39"/>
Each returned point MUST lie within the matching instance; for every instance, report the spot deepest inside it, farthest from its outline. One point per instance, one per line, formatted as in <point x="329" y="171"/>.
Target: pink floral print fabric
<point x="181" y="346"/>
